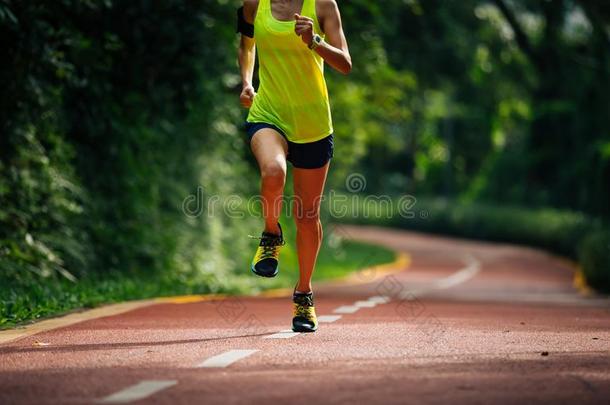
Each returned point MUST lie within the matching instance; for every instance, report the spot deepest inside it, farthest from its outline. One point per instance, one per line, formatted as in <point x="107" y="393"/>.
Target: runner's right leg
<point x="270" y="149"/>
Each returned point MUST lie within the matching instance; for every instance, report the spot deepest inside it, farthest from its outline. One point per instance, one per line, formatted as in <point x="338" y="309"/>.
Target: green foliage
<point x="105" y="119"/>
<point x="510" y="101"/>
<point x="551" y="229"/>
<point x="38" y="300"/>
<point x="113" y="112"/>
<point x="594" y="258"/>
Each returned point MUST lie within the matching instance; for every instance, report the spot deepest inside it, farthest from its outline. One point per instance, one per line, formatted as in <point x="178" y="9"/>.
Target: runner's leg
<point x="308" y="188"/>
<point x="270" y="149"/>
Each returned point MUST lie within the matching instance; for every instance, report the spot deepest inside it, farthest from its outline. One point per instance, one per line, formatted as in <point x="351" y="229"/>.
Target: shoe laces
<point x="269" y="245"/>
<point x="303" y="306"/>
<point x="307" y="312"/>
<point x="270" y="252"/>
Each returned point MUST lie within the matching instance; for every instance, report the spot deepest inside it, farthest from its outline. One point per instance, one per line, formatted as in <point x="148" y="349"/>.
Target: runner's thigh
<point x="269" y="147"/>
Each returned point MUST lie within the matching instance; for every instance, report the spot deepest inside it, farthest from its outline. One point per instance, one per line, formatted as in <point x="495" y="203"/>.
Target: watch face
<point x="315" y="42"/>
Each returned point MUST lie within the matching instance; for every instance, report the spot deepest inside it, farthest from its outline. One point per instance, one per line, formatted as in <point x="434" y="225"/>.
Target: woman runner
<point x="290" y="120"/>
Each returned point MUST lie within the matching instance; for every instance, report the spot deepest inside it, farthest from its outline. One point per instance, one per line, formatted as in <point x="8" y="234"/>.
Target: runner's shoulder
<point x="326" y="8"/>
<point x="327" y="4"/>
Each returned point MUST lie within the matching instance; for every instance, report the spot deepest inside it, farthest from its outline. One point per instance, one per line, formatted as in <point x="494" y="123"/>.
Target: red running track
<point x="466" y="322"/>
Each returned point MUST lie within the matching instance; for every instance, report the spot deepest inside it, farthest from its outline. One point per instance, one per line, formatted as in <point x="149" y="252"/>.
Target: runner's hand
<point x="247" y="96"/>
<point x="304" y="28"/>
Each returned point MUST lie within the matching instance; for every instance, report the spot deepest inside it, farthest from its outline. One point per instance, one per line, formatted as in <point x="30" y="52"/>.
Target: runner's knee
<point x="273" y="173"/>
<point x="307" y="219"/>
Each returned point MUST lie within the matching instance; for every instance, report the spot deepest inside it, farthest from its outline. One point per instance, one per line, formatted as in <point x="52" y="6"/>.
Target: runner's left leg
<point x="308" y="188"/>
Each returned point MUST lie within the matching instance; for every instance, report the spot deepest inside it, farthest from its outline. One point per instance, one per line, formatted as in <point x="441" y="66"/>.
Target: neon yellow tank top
<point x="292" y="94"/>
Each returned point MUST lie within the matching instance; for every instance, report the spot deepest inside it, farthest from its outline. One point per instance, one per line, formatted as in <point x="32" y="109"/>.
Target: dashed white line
<point x="346" y="309"/>
<point x="473" y="266"/>
<point x="379" y="299"/>
<point x="365" y="304"/>
<point x="328" y="318"/>
<point x="226" y="359"/>
<point x="138" y="391"/>
<point x="283" y="334"/>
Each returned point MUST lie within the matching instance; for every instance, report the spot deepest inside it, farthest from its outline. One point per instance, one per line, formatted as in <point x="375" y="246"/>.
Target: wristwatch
<point x="315" y="42"/>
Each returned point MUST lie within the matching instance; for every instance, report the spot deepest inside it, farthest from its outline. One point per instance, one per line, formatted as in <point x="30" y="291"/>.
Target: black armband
<point x="243" y="26"/>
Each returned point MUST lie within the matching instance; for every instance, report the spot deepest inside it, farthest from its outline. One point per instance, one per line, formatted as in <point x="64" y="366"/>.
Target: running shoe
<point x="305" y="319"/>
<point x="266" y="260"/>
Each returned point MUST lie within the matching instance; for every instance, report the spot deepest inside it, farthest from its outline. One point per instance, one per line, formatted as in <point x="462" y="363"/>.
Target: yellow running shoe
<point x="305" y="319"/>
<point x="266" y="259"/>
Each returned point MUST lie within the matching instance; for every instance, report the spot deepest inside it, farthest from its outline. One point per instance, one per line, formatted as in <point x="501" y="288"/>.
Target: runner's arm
<point x="334" y="49"/>
<point x="247" y="57"/>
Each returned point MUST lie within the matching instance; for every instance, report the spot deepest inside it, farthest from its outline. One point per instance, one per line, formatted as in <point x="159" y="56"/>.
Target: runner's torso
<point x="292" y="94"/>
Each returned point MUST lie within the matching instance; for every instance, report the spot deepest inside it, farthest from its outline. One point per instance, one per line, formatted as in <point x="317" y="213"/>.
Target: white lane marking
<point x="379" y="299"/>
<point x="283" y="334"/>
<point x="226" y="359"/>
<point x="138" y="391"/>
<point x="365" y="304"/>
<point x="522" y="297"/>
<point x="329" y="318"/>
<point x="346" y="309"/>
<point x="473" y="266"/>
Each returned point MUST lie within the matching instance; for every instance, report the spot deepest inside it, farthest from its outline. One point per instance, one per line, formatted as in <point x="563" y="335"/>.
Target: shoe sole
<point x="277" y="270"/>
<point x="304" y="330"/>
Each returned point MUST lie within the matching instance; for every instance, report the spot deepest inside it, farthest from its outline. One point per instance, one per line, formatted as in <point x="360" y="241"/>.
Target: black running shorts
<point x="311" y="155"/>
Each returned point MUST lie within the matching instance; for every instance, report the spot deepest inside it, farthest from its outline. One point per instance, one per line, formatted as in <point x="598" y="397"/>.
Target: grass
<point x="350" y="257"/>
<point x="33" y="299"/>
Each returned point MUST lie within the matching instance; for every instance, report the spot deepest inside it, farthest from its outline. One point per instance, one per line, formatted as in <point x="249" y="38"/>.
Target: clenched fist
<point x="247" y="96"/>
<point x="304" y="28"/>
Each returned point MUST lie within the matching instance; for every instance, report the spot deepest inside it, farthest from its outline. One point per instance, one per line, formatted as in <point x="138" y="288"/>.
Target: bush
<point x="594" y="258"/>
<point x="554" y="230"/>
<point x="105" y="128"/>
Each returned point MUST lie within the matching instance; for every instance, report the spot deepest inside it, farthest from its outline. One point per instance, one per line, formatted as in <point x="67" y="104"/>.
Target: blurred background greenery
<point x="494" y="114"/>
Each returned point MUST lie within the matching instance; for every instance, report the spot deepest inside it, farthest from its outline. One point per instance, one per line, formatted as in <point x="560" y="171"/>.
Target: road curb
<point x="402" y="261"/>
<point x="580" y="283"/>
<point x="364" y="276"/>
